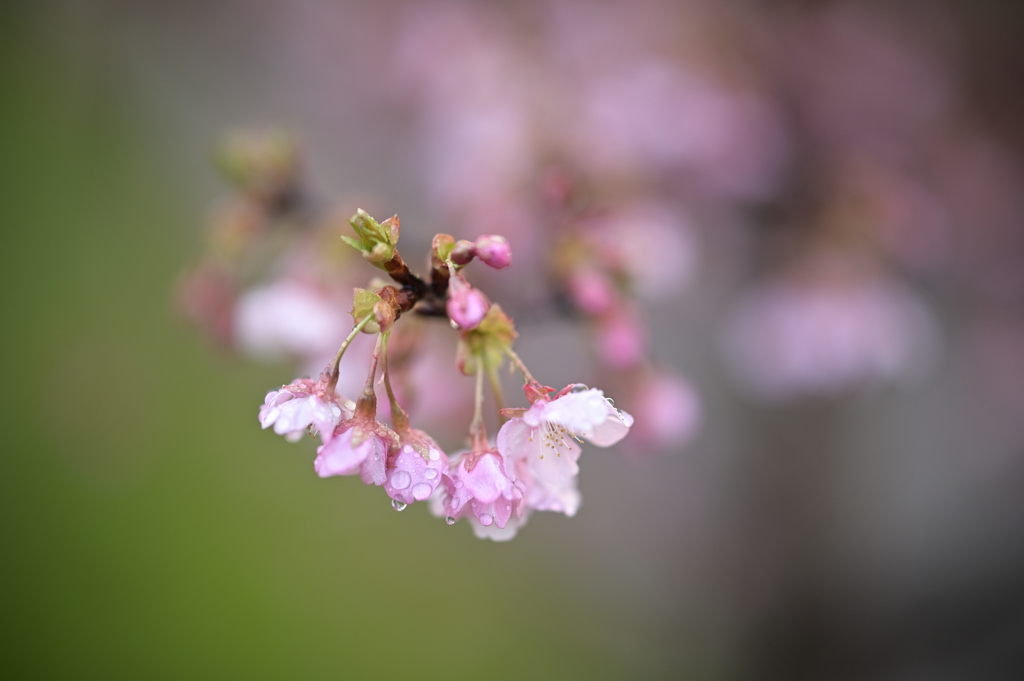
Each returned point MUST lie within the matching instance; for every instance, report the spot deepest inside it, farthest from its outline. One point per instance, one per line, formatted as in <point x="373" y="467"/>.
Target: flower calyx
<point x="485" y="346"/>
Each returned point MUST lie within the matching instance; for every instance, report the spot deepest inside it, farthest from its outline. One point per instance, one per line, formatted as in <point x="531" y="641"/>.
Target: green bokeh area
<point x="150" y="529"/>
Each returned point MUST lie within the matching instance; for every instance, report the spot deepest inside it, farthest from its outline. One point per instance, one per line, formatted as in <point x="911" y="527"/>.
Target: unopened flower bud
<point x="375" y="240"/>
<point x="463" y="253"/>
<point x="494" y="250"/>
<point x="467" y="306"/>
<point x="384" y="315"/>
<point x="440" y="249"/>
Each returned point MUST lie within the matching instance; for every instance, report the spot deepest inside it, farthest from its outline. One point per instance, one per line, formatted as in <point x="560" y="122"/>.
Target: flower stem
<point x="477" y="430"/>
<point x="495" y="380"/>
<point x="341" y="351"/>
<point x="527" y="376"/>
<point x="367" y="404"/>
<point x="398" y="416"/>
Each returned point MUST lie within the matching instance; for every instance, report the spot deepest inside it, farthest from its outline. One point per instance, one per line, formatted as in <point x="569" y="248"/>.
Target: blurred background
<point x="829" y="486"/>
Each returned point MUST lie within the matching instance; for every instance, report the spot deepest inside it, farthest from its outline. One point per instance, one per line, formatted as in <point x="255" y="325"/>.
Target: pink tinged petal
<point x="268" y="415"/>
<point x="615" y="427"/>
<point x="497" y="512"/>
<point x="339" y="457"/>
<point x="579" y="412"/>
<point x="412" y="478"/>
<point x="372" y="471"/>
<point x="548" y="454"/>
<point x="555" y="460"/>
<point x="560" y="498"/>
<point x="487" y="481"/>
<point x="295" y="415"/>
<point x="326" y="418"/>
<point x="496" y="533"/>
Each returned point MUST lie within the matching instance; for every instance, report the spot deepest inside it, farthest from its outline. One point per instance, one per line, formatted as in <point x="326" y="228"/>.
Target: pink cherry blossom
<point x="413" y="477"/>
<point x="356" y="448"/>
<point x="301" y="406"/>
<point x="542" y="444"/>
<point x="483" y="486"/>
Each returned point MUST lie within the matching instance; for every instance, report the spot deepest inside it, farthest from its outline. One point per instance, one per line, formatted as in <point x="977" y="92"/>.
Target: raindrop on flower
<point x="401" y="480"/>
<point x="421" y="491"/>
<point x="450" y="520"/>
<point x="397" y="505"/>
<point x="486" y="519"/>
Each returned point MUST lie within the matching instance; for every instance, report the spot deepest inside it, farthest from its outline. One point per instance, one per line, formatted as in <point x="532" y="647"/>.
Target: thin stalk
<point x="341" y="351"/>
<point x="527" y="376"/>
<point x="495" y="380"/>
<point x="367" y="404"/>
<point x="477" y="430"/>
<point x="398" y="416"/>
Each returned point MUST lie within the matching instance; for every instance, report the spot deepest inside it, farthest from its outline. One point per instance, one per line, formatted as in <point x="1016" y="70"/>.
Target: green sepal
<point x="376" y="240"/>
<point x="487" y="344"/>
<point x="363" y="302"/>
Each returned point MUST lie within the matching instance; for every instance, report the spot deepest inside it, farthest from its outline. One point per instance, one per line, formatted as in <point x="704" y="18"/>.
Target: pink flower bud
<point x="494" y="250"/>
<point x="467" y="306"/>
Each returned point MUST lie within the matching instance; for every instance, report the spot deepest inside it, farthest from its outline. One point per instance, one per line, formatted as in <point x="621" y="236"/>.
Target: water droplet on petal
<point x="454" y="325"/>
<point x="421" y="491"/>
<point x="486" y="519"/>
<point x="450" y="520"/>
<point x="434" y="455"/>
<point x="430" y="474"/>
<point x="398" y="505"/>
<point x="401" y="480"/>
<point x="578" y="388"/>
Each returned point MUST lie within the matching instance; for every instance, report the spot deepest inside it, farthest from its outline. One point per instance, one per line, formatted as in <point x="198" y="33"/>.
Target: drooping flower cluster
<point x="496" y="485"/>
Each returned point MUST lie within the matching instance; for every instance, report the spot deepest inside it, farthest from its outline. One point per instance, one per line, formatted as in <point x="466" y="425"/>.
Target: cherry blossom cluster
<point x="275" y="282"/>
<point x="531" y="465"/>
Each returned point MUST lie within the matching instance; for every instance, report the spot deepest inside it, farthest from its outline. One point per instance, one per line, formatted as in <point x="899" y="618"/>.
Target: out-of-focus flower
<point x="668" y="413"/>
<point x="289" y="319"/>
<point x="649" y="244"/>
<point x="621" y="340"/>
<point x="791" y="339"/>
<point x="591" y="291"/>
